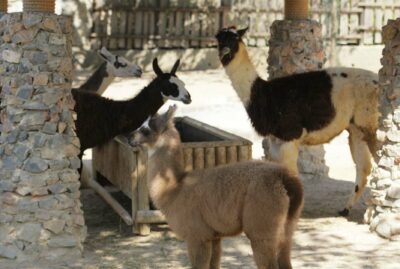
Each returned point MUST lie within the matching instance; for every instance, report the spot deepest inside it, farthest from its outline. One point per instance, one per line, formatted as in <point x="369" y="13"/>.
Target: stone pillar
<point x="296" y="46"/>
<point x="383" y="212"/>
<point x="40" y="210"/>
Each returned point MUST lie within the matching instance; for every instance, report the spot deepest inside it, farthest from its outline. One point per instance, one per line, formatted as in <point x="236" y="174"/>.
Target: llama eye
<point x="145" y="132"/>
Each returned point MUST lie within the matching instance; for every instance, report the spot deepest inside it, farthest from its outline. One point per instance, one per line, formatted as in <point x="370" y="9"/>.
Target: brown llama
<point x="261" y="199"/>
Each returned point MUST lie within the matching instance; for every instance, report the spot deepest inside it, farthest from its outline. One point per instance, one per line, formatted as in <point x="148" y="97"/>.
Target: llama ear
<point x="105" y="54"/>
<point x="171" y="112"/>
<point x="162" y="122"/>
<point x="156" y="68"/>
<point x="175" y="67"/>
<point x="241" y="32"/>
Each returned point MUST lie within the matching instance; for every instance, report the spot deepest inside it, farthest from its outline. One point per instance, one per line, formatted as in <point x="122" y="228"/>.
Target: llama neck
<point x="100" y="119"/>
<point x="165" y="169"/>
<point x="99" y="81"/>
<point x="132" y="113"/>
<point x="242" y="73"/>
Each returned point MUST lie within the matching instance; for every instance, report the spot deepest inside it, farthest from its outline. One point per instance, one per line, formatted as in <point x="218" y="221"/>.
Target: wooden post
<point x="198" y="158"/>
<point x="143" y="194"/>
<point x="3" y="6"/>
<point x="221" y="155"/>
<point x="296" y="9"/>
<point x="209" y="157"/>
<point x="188" y="159"/>
<point x="47" y="6"/>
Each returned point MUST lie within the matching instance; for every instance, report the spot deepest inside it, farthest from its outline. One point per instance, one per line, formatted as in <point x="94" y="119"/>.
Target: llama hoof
<point x="344" y="212"/>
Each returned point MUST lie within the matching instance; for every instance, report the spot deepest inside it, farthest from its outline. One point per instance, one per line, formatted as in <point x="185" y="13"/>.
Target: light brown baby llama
<point x="259" y="198"/>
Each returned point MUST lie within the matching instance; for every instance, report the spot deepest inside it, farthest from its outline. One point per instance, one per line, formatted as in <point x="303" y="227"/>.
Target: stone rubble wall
<point x="383" y="212"/>
<point x="296" y="46"/>
<point x="40" y="210"/>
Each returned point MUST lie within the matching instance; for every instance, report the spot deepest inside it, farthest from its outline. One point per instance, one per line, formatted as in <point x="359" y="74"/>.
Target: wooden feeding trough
<point x="126" y="167"/>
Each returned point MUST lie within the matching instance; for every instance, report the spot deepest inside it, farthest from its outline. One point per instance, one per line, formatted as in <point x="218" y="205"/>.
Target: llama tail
<point x="294" y="189"/>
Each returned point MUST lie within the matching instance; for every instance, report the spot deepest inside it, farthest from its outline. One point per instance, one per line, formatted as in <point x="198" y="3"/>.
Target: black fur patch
<point x="171" y="91"/>
<point x="94" y="82"/>
<point x="356" y="188"/>
<point x="343" y="75"/>
<point x="284" y="106"/>
<point x="117" y="64"/>
<point x="228" y="39"/>
<point x="99" y="119"/>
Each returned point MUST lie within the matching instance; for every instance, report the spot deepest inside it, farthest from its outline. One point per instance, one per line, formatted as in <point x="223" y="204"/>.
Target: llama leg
<point x="216" y="254"/>
<point x="265" y="253"/>
<point x="286" y="245"/>
<point x="199" y="254"/>
<point x="288" y="156"/>
<point x="362" y="158"/>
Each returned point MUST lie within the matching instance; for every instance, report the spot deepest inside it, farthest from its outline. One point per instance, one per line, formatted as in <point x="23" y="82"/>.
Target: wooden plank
<point x="198" y="158"/>
<point x="243" y="153"/>
<point x="221" y="155"/>
<point x="209" y="157"/>
<point x="145" y="30"/>
<point x="188" y="159"/>
<point x="112" y="45"/>
<point x="122" y="29"/>
<point x="130" y="30"/>
<point x="138" y="42"/>
<point x="195" y="26"/>
<point x="152" y="30"/>
<point x="161" y="29"/>
<point x="143" y="195"/>
<point x="231" y="154"/>
<point x="179" y="26"/>
<point x="379" y="14"/>
<point x="103" y="193"/>
<point x="187" y="29"/>
<point x="367" y="22"/>
<point x="150" y="216"/>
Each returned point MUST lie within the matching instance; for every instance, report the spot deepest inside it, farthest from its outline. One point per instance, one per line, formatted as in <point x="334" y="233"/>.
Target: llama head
<point x="118" y="66"/>
<point x="228" y="43"/>
<point x="154" y="128"/>
<point x="170" y="85"/>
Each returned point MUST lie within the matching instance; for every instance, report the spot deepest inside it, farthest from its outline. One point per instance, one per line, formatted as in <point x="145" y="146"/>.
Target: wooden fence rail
<point x="144" y="24"/>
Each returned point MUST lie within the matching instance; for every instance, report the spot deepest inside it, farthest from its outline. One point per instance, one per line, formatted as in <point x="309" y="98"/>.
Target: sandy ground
<point x="322" y="240"/>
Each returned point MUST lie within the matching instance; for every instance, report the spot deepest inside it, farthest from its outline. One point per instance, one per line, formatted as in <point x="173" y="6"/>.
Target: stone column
<point x="383" y="212"/>
<point x="296" y="46"/>
<point x="40" y="210"/>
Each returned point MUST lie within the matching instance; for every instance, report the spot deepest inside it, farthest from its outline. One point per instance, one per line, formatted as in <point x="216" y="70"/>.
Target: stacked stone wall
<point x="40" y="210"/>
<point x="384" y="206"/>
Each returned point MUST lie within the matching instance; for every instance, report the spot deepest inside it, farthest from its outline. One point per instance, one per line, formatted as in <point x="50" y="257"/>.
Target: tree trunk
<point x="296" y="9"/>
<point x="47" y="6"/>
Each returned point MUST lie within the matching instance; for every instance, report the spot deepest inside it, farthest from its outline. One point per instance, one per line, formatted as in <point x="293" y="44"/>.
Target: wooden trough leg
<point x="142" y="191"/>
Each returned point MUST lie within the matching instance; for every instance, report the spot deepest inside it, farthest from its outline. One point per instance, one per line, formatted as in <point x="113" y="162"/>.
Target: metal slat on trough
<point x="125" y="166"/>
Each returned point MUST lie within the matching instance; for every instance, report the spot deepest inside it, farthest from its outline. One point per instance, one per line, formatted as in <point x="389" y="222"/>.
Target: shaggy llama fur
<point x="261" y="199"/>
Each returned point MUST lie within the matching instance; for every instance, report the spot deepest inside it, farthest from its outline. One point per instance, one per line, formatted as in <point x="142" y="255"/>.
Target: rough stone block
<point x="31" y="18"/>
<point x="8" y="251"/>
<point x="394" y="191"/>
<point x="63" y="241"/>
<point x="35" y="165"/>
<point x="56" y="226"/>
<point x="29" y="232"/>
<point x="41" y="79"/>
<point x="11" y="56"/>
<point x="24" y="36"/>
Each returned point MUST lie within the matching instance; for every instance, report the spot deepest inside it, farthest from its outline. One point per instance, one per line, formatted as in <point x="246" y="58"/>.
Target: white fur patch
<point x="183" y="93"/>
